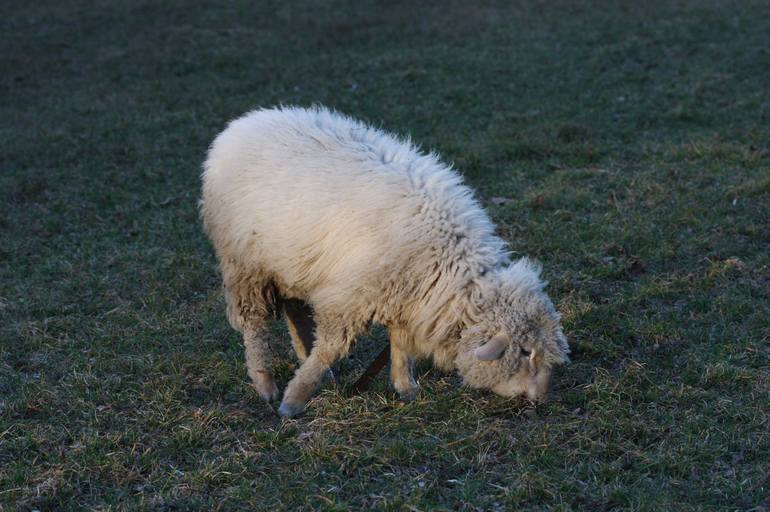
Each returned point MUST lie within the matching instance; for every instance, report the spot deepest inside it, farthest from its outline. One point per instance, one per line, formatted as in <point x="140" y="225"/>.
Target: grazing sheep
<point x="340" y="225"/>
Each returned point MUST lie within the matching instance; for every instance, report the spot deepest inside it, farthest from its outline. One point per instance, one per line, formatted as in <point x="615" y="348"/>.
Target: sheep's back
<point x="339" y="211"/>
<point x="314" y="207"/>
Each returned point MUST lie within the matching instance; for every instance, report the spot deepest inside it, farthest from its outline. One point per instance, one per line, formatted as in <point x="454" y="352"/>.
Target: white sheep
<point x="340" y="225"/>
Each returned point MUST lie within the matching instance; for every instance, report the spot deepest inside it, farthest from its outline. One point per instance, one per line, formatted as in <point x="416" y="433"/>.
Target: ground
<point x="624" y="146"/>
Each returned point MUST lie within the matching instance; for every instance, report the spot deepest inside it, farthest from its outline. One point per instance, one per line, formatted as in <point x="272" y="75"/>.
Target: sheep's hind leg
<point x="250" y="305"/>
<point x="301" y="324"/>
<point x="330" y="347"/>
<point x="259" y="362"/>
<point x="402" y="367"/>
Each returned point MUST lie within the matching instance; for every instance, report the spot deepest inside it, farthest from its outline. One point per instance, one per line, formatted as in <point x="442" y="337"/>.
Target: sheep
<point x="340" y="225"/>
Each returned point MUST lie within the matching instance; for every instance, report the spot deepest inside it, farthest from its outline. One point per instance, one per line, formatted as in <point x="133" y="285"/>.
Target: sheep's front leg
<point x="327" y="351"/>
<point x="259" y="361"/>
<point x="402" y="367"/>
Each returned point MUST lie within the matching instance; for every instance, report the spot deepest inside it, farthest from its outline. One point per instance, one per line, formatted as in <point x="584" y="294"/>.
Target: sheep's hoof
<point x="266" y="387"/>
<point x="270" y="396"/>
<point x="287" y="410"/>
<point x="409" y="394"/>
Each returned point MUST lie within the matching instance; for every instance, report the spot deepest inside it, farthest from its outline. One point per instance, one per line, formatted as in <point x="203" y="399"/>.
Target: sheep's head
<point x="514" y="349"/>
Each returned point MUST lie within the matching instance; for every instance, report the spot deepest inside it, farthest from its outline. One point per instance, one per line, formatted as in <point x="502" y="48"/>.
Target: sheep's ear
<point x="492" y="349"/>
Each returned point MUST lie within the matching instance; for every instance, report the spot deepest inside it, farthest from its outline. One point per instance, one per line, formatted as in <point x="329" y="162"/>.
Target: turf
<point x="624" y="146"/>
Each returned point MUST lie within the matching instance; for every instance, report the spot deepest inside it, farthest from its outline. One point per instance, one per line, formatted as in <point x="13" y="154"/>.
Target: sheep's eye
<point x="525" y="352"/>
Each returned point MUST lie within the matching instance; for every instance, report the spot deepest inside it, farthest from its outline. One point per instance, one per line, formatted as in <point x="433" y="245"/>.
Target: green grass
<point x="630" y="142"/>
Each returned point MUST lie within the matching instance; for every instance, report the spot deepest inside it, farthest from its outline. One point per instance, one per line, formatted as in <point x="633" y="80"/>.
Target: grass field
<point x="627" y="148"/>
